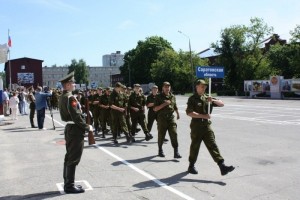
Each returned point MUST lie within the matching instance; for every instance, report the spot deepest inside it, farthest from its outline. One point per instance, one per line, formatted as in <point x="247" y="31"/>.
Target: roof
<point x="209" y="52"/>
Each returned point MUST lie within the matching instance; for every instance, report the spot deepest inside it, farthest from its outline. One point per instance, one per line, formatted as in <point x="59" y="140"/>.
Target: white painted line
<point x="150" y="177"/>
<point x="60" y="186"/>
<point x="48" y="116"/>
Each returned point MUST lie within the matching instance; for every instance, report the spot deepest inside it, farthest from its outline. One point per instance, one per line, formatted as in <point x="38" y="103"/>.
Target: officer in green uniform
<point x="197" y="108"/>
<point x="75" y="129"/>
<point x="97" y="110"/>
<point x="118" y="106"/>
<point x="165" y="105"/>
<point x="137" y="102"/>
<point x="105" y="111"/>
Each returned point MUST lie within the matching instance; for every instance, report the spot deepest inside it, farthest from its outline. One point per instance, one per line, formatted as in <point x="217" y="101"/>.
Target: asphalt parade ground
<point x="259" y="137"/>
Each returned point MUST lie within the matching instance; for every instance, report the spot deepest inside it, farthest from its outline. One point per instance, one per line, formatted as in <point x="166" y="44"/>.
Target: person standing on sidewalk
<point x="13" y="105"/>
<point x="5" y="99"/>
<point x="31" y="101"/>
<point x="40" y="105"/>
<point x="70" y="112"/>
<point x="197" y="109"/>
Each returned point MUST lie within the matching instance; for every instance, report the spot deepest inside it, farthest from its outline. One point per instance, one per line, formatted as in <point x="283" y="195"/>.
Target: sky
<point x="57" y="31"/>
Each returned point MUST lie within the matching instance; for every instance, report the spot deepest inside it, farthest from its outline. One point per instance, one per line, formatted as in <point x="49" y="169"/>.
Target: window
<point x="22" y="66"/>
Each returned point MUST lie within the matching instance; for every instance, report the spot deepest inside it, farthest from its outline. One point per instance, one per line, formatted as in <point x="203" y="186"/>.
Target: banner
<point x="3" y="53"/>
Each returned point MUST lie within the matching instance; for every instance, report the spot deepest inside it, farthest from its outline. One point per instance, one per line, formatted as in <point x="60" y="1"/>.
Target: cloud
<point x="127" y="24"/>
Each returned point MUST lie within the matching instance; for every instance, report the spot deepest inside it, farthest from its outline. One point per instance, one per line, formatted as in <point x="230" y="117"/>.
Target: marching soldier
<point x="117" y="103"/>
<point x="137" y="102"/>
<point x="165" y="105"/>
<point x="97" y="109"/>
<point x="197" y="109"/>
<point x="70" y="112"/>
<point x="105" y="111"/>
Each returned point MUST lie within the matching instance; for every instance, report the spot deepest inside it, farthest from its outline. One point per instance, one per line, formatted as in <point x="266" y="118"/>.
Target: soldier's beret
<point x="137" y="85"/>
<point x="118" y="84"/>
<point x="166" y="83"/>
<point x="68" y="78"/>
<point x="200" y="81"/>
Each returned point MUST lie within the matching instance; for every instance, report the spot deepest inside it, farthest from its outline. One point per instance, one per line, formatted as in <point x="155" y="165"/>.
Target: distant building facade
<point x="24" y="72"/>
<point x="98" y="76"/>
<point x="113" y="59"/>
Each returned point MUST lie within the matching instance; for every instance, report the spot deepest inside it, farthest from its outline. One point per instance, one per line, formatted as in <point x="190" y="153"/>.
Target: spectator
<point x="41" y="104"/>
<point x="13" y="105"/>
<point x="5" y="99"/>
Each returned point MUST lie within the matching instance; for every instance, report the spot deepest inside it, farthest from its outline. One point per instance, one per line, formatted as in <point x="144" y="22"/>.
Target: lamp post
<point x="191" y="59"/>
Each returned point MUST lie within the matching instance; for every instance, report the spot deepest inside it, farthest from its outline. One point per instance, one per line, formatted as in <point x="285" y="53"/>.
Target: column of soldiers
<point x="116" y="107"/>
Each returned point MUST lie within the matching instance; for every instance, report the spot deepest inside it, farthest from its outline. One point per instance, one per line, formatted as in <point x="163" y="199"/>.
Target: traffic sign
<point x="209" y="72"/>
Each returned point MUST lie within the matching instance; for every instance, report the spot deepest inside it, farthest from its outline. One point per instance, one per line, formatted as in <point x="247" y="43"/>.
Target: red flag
<point x="9" y="41"/>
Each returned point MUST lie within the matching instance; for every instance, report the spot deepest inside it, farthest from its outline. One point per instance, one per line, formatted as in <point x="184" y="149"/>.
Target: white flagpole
<point x="209" y="94"/>
<point x="9" y="66"/>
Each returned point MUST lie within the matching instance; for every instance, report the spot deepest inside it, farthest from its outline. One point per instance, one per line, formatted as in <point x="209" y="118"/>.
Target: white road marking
<point x="145" y="174"/>
<point x="150" y="177"/>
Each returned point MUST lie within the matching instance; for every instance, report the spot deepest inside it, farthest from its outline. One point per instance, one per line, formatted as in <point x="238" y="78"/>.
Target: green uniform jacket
<point x="137" y="101"/>
<point x="167" y="111"/>
<point x="70" y="110"/>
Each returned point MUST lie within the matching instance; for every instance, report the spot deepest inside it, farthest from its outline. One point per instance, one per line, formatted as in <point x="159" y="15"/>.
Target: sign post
<point x="209" y="72"/>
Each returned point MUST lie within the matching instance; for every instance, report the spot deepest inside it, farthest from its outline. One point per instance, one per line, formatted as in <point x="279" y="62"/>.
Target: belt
<point x="70" y="122"/>
<point x="200" y="119"/>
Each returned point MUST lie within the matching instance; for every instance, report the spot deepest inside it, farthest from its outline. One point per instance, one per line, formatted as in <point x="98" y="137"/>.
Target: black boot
<point x="115" y="138"/>
<point x="128" y="137"/>
<point x="176" y="153"/>
<point x="103" y="135"/>
<point x="161" y="152"/>
<point x="148" y="136"/>
<point x="65" y="176"/>
<point x="69" y="186"/>
<point x="192" y="169"/>
<point x="225" y="169"/>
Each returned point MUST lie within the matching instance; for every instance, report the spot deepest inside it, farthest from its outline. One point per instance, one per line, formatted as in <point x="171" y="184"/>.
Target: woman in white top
<point x="13" y="105"/>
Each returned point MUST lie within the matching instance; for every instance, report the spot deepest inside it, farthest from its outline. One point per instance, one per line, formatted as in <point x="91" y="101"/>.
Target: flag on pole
<point x="9" y="41"/>
<point x="3" y="53"/>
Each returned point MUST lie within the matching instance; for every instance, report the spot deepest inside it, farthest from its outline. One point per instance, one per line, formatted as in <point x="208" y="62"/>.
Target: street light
<point x="191" y="59"/>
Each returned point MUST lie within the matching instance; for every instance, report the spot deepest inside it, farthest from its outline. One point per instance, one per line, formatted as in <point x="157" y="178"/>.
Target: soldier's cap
<point x="137" y="85"/>
<point x="129" y="88"/>
<point x="68" y="78"/>
<point x="80" y="92"/>
<point x="154" y="86"/>
<point x="124" y="87"/>
<point x="200" y="81"/>
<point x="118" y="84"/>
<point x="166" y="83"/>
<point x="100" y="88"/>
<point x="108" y="89"/>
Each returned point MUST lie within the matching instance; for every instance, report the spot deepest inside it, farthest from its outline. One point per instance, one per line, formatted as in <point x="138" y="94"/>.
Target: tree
<point x="241" y="54"/>
<point x="139" y="60"/>
<point x="285" y="60"/>
<point x="175" y="68"/>
<point x="81" y="71"/>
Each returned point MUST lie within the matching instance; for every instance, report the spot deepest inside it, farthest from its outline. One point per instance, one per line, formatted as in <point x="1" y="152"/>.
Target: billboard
<point x="25" y="78"/>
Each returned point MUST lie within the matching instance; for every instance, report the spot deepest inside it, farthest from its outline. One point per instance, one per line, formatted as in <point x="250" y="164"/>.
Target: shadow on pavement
<point x="177" y="178"/>
<point x="42" y="195"/>
<point x="144" y="159"/>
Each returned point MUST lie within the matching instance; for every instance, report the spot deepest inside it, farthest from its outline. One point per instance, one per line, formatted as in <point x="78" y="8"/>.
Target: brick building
<point x="24" y="72"/>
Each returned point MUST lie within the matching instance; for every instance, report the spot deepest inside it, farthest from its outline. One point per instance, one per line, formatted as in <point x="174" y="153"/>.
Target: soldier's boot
<point x="176" y="153"/>
<point x="137" y="130"/>
<point x="128" y="137"/>
<point x="192" y="169"/>
<point x="115" y="138"/>
<point x="166" y="140"/>
<point x="161" y="152"/>
<point x="148" y="136"/>
<point x="65" y="176"/>
<point x="32" y="123"/>
<point x="69" y="186"/>
<point x="103" y="134"/>
<point x="225" y="169"/>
